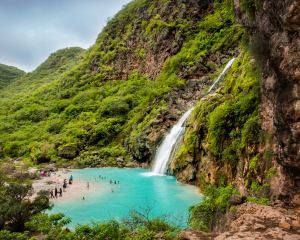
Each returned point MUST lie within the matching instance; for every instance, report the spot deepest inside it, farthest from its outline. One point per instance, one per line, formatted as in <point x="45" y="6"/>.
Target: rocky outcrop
<point x="274" y="30"/>
<point x="153" y="34"/>
<point x="252" y="221"/>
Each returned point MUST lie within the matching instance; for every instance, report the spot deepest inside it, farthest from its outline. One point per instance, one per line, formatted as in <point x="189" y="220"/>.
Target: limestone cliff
<point x="274" y="30"/>
<point x="268" y="165"/>
<point x="218" y="147"/>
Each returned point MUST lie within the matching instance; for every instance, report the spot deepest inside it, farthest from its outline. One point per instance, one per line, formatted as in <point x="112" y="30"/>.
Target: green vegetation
<point x="26" y="84"/>
<point x="136" y="227"/>
<point x="216" y="201"/>
<point x="15" y="206"/>
<point x="250" y="7"/>
<point x="76" y="108"/>
<point x="227" y="122"/>
<point x="8" y="74"/>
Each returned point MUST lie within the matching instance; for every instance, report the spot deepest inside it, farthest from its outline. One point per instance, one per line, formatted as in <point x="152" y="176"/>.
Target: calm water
<point x="163" y="195"/>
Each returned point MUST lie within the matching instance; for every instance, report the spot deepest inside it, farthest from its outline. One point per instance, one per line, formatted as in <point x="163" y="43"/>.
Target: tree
<point x="16" y="207"/>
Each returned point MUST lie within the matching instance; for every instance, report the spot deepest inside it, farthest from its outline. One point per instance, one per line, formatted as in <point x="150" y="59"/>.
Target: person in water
<point x="83" y="198"/>
<point x="71" y="179"/>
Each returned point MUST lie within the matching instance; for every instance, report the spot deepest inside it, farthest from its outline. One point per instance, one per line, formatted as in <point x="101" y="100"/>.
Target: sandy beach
<point x="77" y="190"/>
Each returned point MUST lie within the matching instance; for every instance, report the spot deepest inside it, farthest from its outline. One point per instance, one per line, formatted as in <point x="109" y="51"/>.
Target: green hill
<point x="8" y="74"/>
<point x="55" y="65"/>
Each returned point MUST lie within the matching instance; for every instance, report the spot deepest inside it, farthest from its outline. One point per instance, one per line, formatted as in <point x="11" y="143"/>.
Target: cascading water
<point x="223" y="73"/>
<point x="165" y="150"/>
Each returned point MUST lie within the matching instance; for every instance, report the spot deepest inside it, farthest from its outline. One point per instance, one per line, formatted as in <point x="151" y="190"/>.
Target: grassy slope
<point x="56" y="64"/>
<point x="8" y="74"/>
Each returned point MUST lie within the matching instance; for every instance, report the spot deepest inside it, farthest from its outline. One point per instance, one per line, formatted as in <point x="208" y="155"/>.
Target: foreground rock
<point x="253" y="221"/>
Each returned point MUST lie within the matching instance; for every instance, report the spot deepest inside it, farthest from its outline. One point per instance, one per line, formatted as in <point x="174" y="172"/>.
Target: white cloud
<point x="30" y="30"/>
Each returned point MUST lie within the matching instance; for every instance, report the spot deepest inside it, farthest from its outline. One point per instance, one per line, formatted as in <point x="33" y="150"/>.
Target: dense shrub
<point x="135" y="227"/>
<point x="216" y="201"/>
<point x="16" y="208"/>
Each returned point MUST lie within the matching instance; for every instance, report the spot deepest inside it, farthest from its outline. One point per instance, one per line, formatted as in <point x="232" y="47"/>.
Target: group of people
<point x="110" y="181"/>
<point x="58" y="191"/>
<point x="114" y="182"/>
<point x="54" y="193"/>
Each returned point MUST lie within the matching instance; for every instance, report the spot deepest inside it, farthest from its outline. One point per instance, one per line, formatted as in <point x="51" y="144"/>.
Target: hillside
<point x="115" y="106"/>
<point x="8" y="74"/>
<point x="55" y="65"/>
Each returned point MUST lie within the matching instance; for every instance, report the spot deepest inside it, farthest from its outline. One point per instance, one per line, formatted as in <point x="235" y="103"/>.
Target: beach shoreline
<point x="79" y="189"/>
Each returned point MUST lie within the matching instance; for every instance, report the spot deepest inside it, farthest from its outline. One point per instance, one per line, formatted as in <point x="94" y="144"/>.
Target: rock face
<point x="253" y="221"/>
<point x="274" y="29"/>
<point x="145" y="50"/>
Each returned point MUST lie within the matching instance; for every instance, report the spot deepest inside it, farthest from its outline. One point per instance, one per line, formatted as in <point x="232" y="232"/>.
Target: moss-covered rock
<point x="224" y="131"/>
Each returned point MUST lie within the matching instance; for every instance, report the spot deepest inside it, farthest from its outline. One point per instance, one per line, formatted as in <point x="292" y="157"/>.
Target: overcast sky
<point x="32" y="29"/>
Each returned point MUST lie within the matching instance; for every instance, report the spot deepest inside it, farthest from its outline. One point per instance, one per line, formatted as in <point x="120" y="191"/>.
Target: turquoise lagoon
<point x="160" y="196"/>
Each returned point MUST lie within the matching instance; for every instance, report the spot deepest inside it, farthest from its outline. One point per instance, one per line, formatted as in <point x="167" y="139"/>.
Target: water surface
<point x="154" y="195"/>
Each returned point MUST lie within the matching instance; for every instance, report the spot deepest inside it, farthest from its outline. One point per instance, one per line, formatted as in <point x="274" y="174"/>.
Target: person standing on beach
<point x="51" y="193"/>
<point x="55" y="192"/>
<point x="64" y="186"/>
<point x="60" y="192"/>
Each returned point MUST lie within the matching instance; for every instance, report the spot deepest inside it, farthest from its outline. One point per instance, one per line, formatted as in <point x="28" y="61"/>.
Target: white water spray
<point x="165" y="150"/>
<point x="221" y="76"/>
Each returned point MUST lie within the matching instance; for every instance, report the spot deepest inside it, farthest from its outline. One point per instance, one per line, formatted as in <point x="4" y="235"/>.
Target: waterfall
<point x="223" y="73"/>
<point x="165" y="150"/>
